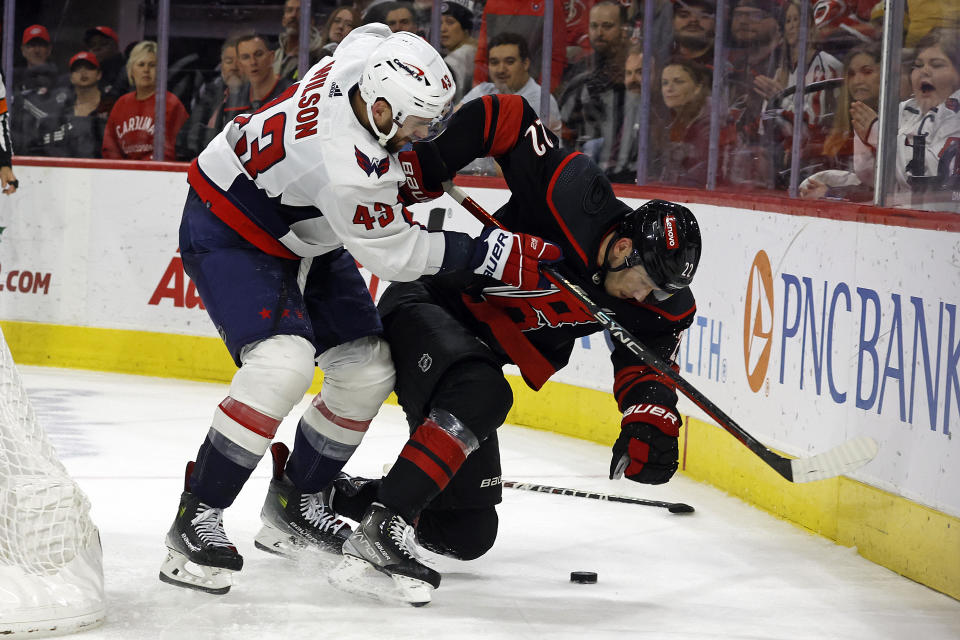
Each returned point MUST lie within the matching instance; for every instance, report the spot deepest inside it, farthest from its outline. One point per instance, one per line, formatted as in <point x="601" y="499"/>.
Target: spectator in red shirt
<point x="129" y="133"/>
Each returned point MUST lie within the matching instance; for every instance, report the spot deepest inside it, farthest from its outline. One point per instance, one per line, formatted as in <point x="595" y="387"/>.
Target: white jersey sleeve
<point x="303" y="175"/>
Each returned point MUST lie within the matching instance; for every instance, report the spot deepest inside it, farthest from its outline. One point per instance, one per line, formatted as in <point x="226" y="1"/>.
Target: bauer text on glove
<point x="513" y="258"/>
<point x="647" y="449"/>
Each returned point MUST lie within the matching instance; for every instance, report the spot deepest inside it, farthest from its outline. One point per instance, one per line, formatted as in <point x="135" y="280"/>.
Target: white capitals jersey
<point x="302" y="177"/>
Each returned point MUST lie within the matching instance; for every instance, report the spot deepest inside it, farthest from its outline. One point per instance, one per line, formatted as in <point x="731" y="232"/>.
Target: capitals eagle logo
<point x="369" y="166"/>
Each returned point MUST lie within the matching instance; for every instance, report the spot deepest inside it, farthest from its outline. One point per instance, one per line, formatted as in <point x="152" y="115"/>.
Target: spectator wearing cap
<point x="456" y="37"/>
<point x="77" y="130"/>
<point x="36" y="48"/>
<point x="104" y="44"/>
<point x="129" y="131"/>
<point x="287" y="56"/>
<point x="37" y="96"/>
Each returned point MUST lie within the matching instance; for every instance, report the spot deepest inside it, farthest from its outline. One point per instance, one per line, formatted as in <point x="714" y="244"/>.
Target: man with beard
<point x="591" y="105"/>
<point x="755" y="35"/>
<point x="694" y="30"/>
<point x="624" y="151"/>
<point x="287" y="56"/>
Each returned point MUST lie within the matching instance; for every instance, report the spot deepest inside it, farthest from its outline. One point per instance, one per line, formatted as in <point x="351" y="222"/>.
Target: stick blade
<point x="849" y="456"/>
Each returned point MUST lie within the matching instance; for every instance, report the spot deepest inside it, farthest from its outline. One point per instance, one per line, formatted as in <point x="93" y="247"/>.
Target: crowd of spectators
<point x="103" y="106"/>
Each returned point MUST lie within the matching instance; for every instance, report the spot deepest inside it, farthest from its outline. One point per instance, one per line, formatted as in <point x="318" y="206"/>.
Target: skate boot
<point x="294" y="522"/>
<point x="197" y="537"/>
<point x="383" y="546"/>
<point x="351" y="496"/>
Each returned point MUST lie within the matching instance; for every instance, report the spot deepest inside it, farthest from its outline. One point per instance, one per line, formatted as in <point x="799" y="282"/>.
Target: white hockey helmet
<point x="411" y="76"/>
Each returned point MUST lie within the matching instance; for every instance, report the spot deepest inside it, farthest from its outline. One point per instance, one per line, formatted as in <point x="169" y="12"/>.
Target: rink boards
<point x="813" y="327"/>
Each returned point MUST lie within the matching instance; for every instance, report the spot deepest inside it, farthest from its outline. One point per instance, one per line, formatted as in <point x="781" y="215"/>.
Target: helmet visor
<point x="418" y="128"/>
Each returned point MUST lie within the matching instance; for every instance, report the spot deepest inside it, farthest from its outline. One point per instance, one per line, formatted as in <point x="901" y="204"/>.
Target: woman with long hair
<point x="685" y="90"/>
<point x="342" y="20"/>
<point x="861" y="72"/>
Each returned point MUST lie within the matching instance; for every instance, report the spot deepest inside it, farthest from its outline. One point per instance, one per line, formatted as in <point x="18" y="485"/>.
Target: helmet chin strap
<point x="599" y="275"/>
<point x="382" y="137"/>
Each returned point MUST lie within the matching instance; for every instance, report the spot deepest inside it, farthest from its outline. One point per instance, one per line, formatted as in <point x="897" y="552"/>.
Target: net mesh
<point x="44" y="516"/>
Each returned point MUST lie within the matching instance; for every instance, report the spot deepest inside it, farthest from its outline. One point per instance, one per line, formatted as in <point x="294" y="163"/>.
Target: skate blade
<point x="290" y="546"/>
<point x="356" y="575"/>
<point x="179" y="571"/>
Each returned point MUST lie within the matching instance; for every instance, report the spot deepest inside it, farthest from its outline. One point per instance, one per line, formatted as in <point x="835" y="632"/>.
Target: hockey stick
<point x="841" y="459"/>
<point x="672" y="507"/>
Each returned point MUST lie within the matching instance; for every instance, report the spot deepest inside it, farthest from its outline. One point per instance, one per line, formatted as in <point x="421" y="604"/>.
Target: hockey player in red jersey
<point x="280" y="204"/>
<point x="451" y="335"/>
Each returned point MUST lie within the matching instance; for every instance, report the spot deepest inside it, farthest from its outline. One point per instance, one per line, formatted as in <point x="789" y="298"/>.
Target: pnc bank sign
<point x="893" y="353"/>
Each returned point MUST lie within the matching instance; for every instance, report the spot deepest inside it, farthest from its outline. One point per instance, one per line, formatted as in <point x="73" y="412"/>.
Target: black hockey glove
<point x="647" y="449"/>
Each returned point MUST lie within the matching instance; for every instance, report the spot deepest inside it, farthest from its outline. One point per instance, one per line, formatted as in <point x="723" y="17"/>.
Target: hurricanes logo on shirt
<point x="369" y="166"/>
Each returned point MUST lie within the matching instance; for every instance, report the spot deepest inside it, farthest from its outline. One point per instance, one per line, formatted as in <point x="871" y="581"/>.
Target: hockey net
<point x="51" y="575"/>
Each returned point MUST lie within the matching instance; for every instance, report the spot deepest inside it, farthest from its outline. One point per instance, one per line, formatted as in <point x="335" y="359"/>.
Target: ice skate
<point x="199" y="554"/>
<point x="381" y="548"/>
<point x="295" y="522"/>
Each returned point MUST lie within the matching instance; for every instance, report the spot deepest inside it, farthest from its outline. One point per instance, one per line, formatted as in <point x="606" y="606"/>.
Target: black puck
<point x="679" y="507"/>
<point x="583" y="577"/>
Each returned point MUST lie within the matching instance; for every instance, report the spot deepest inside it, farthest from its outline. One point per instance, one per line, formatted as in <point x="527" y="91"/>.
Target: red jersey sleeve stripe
<point x="553" y="209"/>
<point x="228" y="212"/>
<point x="487" y="117"/>
<point x="508" y="124"/>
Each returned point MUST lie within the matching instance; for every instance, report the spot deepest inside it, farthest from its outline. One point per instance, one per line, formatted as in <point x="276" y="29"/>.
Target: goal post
<point x="51" y="567"/>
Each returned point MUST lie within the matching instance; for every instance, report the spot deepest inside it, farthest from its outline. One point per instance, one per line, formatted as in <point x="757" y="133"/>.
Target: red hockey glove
<point x="513" y="258"/>
<point x="415" y="188"/>
<point x="647" y="449"/>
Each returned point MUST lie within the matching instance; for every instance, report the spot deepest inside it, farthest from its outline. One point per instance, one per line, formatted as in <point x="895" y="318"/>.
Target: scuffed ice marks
<point x="68" y="430"/>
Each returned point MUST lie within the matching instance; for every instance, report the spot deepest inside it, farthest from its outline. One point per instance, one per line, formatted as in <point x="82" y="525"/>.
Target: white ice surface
<point x="727" y="571"/>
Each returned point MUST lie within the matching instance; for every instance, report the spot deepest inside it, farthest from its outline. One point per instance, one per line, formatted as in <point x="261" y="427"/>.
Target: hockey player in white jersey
<point x="280" y="204"/>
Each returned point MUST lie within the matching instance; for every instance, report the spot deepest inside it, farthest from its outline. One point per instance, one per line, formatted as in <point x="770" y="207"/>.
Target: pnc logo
<point x="758" y="321"/>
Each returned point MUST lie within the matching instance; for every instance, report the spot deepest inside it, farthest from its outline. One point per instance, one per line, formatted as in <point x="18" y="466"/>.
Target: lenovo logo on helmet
<point x="670" y="230"/>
